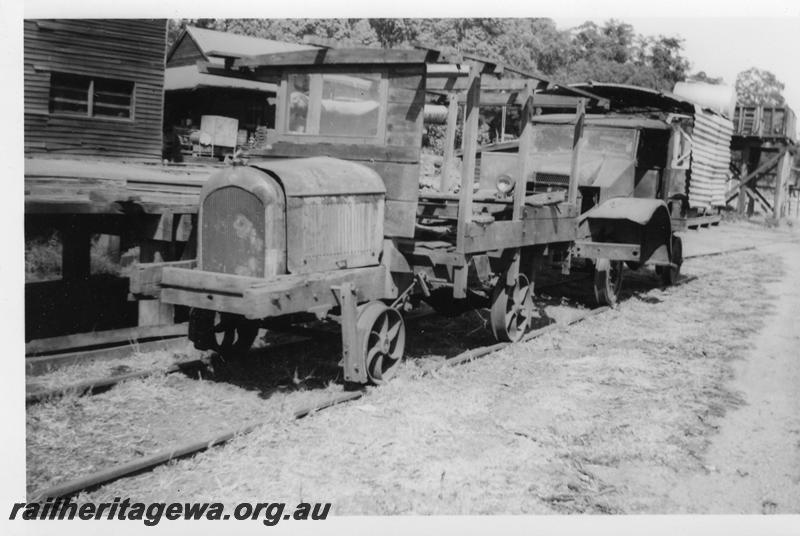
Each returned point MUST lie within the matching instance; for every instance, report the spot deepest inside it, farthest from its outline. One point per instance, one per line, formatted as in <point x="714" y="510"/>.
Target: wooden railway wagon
<point x="329" y="220"/>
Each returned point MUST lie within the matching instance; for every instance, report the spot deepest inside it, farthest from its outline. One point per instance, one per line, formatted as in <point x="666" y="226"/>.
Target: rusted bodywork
<point x="644" y="223"/>
<point x="345" y="231"/>
<point x="334" y="213"/>
<point x="641" y="166"/>
<point x="289" y="222"/>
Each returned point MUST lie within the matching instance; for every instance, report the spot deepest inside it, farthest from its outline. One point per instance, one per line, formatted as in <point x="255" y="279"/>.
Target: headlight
<point x="505" y="184"/>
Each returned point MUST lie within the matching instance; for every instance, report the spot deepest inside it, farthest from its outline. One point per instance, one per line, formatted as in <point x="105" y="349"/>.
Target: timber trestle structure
<point x="764" y="141"/>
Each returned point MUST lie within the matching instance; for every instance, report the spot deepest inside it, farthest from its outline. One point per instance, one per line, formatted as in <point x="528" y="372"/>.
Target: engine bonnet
<point x="322" y="176"/>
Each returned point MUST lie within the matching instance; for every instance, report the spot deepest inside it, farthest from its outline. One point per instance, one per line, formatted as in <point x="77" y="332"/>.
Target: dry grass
<point x="602" y="418"/>
<point x="43" y="258"/>
<point x="138" y="361"/>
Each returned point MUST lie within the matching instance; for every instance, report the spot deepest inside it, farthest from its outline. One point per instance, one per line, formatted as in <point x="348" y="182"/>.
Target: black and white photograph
<point x="440" y="270"/>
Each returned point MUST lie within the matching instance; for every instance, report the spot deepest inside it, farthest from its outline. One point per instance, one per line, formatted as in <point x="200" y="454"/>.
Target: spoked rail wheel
<point x="607" y="281"/>
<point x="383" y="340"/>
<point x="512" y="309"/>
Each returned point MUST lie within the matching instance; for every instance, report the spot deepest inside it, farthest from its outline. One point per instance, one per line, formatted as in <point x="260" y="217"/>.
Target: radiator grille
<point x="233" y="232"/>
<point x="555" y="179"/>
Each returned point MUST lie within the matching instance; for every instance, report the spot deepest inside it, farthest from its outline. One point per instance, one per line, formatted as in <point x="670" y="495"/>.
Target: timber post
<point x="469" y="144"/>
<point x="781" y="180"/>
<point x="580" y="113"/>
<point x="76" y="250"/>
<point x="742" y="201"/>
<point x="448" y="161"/>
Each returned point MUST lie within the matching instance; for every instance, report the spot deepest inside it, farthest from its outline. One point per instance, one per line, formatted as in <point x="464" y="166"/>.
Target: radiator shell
<point x="242" y="224"/>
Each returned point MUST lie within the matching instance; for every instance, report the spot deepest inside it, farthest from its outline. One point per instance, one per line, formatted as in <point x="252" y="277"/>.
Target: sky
<point x="725" y="46"/>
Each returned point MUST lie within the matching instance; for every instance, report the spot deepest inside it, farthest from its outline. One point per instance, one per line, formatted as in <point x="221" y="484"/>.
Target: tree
<point x="664" y="55"/>
<point x="395" y="32"/>
<point x="615" y="53"/>
<point x="759" y="87"/>
<point x="355" y="32"/>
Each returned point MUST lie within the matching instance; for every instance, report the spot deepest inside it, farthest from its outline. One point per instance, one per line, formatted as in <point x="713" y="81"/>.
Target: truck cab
<point x="620" y="157"/>
<point x="633" y="167"/>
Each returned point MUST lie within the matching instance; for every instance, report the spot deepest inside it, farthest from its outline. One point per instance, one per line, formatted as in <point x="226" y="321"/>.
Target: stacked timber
<point x="711" y="157"/>
<point x="101" y="186"/>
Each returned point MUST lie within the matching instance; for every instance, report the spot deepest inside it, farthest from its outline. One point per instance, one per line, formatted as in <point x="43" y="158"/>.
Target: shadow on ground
<point x="310" y="361"/>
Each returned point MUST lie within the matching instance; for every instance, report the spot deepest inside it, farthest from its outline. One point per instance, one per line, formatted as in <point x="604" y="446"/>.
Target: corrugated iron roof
<point x="189" y="77"/>
<point x="624" y="96"/>
<point x="212" y="42"/>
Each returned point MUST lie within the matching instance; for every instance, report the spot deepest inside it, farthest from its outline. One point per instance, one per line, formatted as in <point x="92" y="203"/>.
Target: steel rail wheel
<point x="233" y="334"/>
<point x="607" y="281"/>
<point x="669" y="274"/>
<point x="383" y="340"/>
<point x="227" y="334"/>
<point x="512" y="309"/>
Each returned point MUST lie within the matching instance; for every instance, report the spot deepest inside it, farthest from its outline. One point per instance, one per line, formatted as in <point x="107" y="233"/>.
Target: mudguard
<point x="629" y="220"/>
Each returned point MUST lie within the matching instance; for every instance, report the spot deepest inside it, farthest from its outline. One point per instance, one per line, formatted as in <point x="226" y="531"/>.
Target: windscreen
<point x="558" y="138"/>
<point x="341" y="104"/>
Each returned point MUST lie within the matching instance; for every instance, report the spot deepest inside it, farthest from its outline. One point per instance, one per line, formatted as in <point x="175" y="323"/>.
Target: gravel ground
<point x="610" y="416"/>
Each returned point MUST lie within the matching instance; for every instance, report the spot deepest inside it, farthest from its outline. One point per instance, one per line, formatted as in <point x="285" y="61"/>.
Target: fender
<point x="629" y="220"/>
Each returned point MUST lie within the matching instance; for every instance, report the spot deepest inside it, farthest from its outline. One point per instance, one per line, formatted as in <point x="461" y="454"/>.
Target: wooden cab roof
<point x="446" y="73"/>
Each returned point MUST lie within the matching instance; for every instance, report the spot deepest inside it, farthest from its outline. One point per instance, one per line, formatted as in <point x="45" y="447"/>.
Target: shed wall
<point x="130" y="50"/>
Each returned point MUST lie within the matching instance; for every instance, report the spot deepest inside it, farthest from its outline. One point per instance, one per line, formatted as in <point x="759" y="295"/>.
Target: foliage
<point x="354" y="32"/>
<point x="615" y="53"/>
<point x="759" y="87"/>
<point x="43" y="257"/>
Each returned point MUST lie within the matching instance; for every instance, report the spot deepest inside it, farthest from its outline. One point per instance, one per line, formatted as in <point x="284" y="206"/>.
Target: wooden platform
<point x="696" y="222"/>
<point x="72" y="186"/>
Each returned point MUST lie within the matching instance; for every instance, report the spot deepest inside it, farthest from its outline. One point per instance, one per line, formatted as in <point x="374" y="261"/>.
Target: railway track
<point x="95" y="480"/>
<point x="99" y="478"/>
<point x="98" y="385"/>
<point x="103" y="384"/>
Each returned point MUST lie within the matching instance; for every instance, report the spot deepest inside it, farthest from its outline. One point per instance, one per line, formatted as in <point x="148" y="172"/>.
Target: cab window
<point x="334" y="104"/>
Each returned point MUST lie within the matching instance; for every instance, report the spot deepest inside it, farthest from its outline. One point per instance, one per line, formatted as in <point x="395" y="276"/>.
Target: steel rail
<point x="102" y="384"/>
<point x="39" y="365"/>
<point x="738" y="250"/>
<point x="93" y="386"/>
